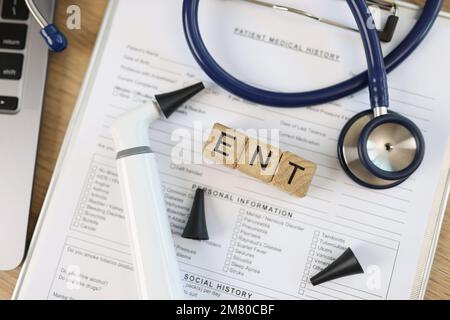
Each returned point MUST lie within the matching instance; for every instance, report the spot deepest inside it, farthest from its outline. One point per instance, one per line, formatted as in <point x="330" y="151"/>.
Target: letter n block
<point x="259" y="160"/>
<point x="224" y="145"/>
<point x="294" y="174"/>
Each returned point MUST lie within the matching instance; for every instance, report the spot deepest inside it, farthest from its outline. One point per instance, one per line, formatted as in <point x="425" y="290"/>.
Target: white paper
<point x="263" y="243"/>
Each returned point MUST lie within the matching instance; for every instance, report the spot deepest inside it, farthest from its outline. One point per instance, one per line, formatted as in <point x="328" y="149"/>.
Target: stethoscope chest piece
<point x="380" y="152"/>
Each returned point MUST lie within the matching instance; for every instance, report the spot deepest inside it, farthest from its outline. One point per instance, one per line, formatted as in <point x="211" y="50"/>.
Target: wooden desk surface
<point x="66" y="72"/>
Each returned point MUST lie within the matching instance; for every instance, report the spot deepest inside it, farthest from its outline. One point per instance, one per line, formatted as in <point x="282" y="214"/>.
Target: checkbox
<point x="316" y="233"/>
<point x="234" y="237"/>
<point x="76" y="225"/>
<point x="227" y="263"/>
<point x="233" y="243"/>
<point x="313" y="246"/>
<point x="225" y="269"/>
<point x="301" y="292"/>
<point x="236" y="230"/>
<point x="308" y="265"/>
<point x="311" y="252"/>
<point x="310" y="259"/>
<point x="306" y="272"/>
<point x="229" y="256"/>
<point x="302" y="285"/>
<point x="304" y="278"/>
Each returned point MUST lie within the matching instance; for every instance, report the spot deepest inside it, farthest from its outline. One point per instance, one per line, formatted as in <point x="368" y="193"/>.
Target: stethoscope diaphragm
<point x="381" y="152"/>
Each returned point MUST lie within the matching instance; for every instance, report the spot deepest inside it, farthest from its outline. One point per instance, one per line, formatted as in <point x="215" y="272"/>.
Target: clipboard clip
<point x="386" y="33"/>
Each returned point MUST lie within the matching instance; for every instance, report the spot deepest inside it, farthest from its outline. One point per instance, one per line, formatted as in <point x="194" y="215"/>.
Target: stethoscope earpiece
<point x="55" y="39"/>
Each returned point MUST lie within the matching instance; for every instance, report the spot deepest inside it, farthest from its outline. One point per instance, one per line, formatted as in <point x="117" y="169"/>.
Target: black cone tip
<point x="171" y="101"/>
<point x="345" y="265"/>
<point x="196" y="228"/>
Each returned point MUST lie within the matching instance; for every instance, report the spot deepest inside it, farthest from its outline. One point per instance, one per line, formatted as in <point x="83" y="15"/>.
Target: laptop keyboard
<point x="13" y="35"/>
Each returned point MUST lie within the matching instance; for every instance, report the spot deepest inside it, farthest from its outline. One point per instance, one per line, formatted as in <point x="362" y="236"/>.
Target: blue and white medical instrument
<point x="54" y="38"/>
<point x="377" y="148"/>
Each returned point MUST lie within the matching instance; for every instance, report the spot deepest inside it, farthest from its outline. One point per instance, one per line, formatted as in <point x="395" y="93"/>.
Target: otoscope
<point x="152" y="245"/>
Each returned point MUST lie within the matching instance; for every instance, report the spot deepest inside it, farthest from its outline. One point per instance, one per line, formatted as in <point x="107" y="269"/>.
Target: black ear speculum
<point x="196" y="227"/>
<point x="345" y="265"/>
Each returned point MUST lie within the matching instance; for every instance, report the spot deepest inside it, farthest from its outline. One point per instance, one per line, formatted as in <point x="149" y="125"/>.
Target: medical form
<point x="264" y="244"/>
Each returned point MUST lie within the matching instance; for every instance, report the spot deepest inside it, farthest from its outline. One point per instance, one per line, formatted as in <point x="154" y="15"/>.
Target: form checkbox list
<point x="93" y="172"/>
<point x="309" y="262"/>
<point x="85" y="197"/>
<point x="234" y="238"/>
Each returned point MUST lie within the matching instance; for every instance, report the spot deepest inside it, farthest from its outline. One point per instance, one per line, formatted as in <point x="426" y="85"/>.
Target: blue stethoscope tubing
<point x="302" y="99"/>
<point x="376" y="70"/>
<point x="379" y="98"/>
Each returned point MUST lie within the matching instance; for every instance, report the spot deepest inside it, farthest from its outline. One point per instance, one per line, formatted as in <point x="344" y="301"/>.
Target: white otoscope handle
<point x="155" y="261"/>
<point x="152" y="245"/>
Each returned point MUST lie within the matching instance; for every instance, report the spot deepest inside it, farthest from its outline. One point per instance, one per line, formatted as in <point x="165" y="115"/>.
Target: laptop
<point x="23" y="67"/>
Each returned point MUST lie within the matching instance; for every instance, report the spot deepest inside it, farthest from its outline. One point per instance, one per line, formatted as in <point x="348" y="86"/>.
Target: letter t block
<point x="224" y="145"/>
<point x="294" y="174"/>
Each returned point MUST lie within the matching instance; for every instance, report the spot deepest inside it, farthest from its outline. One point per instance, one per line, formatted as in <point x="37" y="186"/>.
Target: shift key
<point x="11" y="66"/>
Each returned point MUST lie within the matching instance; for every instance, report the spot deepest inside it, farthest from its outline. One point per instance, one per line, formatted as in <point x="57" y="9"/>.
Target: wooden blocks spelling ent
<point x="284" y="170"/>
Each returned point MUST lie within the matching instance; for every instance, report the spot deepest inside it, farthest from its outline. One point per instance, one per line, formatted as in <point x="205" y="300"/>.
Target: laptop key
<point x="11" y="65"/>
<point x="15" y="10"/>
<point x="8" y="103"/>
<point x="12" y="36"/>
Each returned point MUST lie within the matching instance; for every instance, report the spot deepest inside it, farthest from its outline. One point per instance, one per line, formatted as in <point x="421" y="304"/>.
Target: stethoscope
<point x="377" y="148"/>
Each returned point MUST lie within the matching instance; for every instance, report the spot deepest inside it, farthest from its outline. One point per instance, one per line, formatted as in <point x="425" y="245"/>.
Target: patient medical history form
<point x="264" y="244"/>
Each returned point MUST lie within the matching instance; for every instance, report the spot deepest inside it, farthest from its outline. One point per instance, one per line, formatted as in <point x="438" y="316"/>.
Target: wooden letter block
<point x="294" y="174"/>
<point x="259" y="160"/>
<point x="224" y="145"/>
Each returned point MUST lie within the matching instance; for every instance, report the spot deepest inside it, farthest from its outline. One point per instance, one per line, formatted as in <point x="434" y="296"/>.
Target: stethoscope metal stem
<point x="379" y="111"/>
<point x="36" y="14"/>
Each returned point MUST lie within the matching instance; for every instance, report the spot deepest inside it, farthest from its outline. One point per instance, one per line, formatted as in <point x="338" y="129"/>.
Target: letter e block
<point x="224" y="145"/>
<point x="259" y="160"/>
<point x="294" y="174"/>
